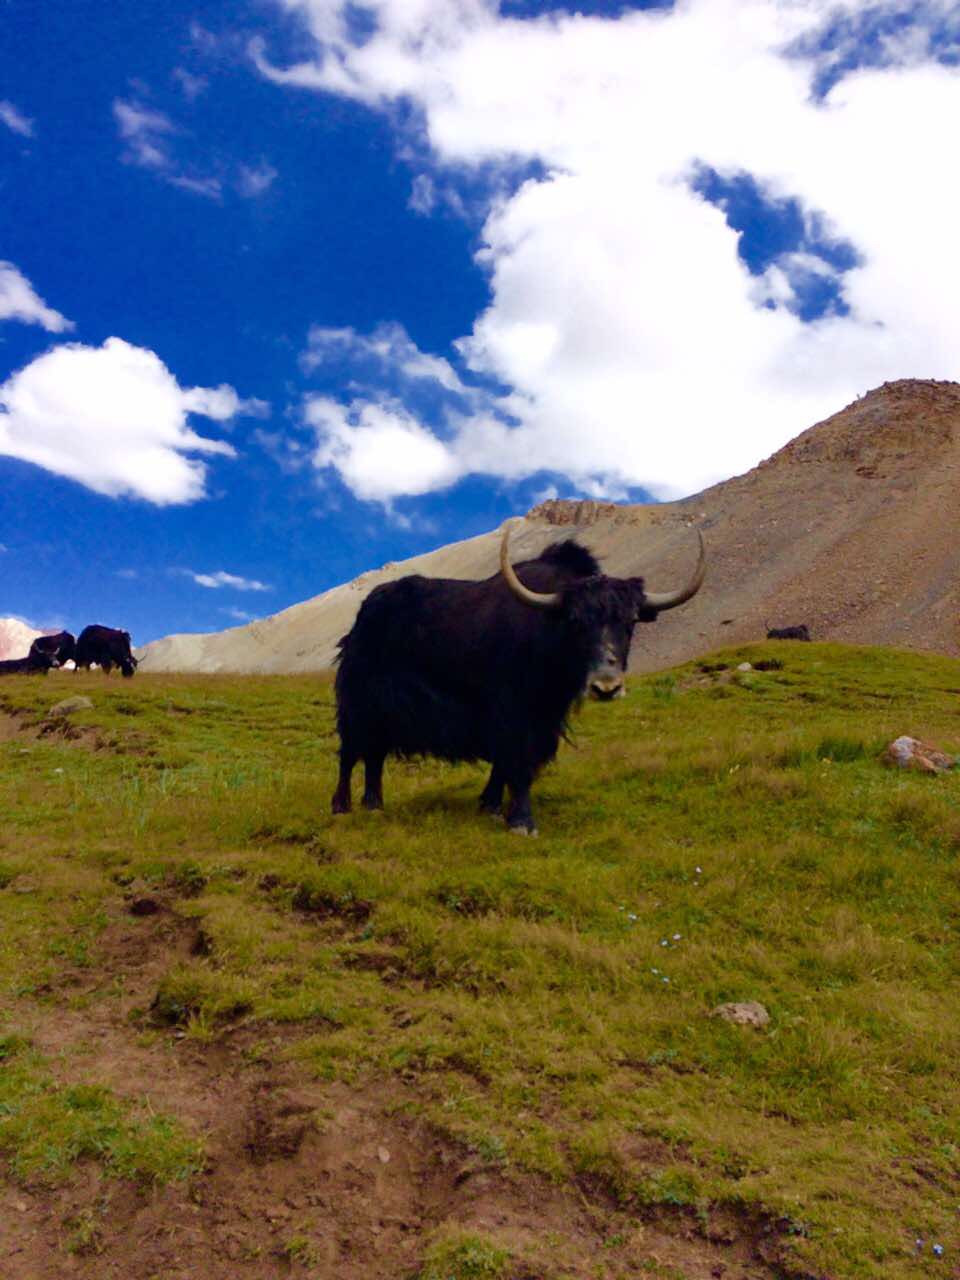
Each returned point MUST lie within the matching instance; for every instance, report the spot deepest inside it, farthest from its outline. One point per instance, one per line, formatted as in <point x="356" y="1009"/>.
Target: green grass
<point x="45" y="1128"/>
<point x="459" y="1255"/>
<point x="714" y="836"/>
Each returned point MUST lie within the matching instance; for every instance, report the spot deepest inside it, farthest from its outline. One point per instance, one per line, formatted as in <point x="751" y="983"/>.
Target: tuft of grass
<point x="461" y="1255"/>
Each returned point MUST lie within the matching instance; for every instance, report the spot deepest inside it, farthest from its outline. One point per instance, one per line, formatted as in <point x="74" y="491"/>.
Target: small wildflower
<point x="654" y="970"/>
<point x="666" y="979"/>
<point x="664" y="942"/>
<point x="938" y="1250"/>
<point x="631" y="916"/>
<point x="676" y="937"/>
<point x="699" y="871"/>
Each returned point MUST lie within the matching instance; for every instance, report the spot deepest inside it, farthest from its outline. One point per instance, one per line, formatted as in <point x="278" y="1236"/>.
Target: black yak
<point x="789" y="633"/>
<point x="34" y="664"/>
<point x="107" y="647"/>
<point x="60" y="646"/>
<point x="486" y="670"/>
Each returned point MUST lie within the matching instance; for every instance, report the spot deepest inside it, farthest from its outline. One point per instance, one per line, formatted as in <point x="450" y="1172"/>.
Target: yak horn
<point x="539" y="599"/>
<point x="670" y="599"/>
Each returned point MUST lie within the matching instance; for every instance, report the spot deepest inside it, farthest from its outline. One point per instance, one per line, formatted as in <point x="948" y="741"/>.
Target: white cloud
<point x="15" y="120"/>
<point x="222" y="579"/>
<point x="638" y="347"/>
<point x="423" y="194"/>
<point x="389" y="348"/>
<point x="146" y="133"/>
<point x="379" y="451"/>
<point x="151" y="142"/>
<point x="18" y="301"/>
<point x="113" y="418"/>
<point x="191" y="85"/>
<point x="254" y="180"/>
<point x="210" y="187"/>
<point x="238" y="615"/>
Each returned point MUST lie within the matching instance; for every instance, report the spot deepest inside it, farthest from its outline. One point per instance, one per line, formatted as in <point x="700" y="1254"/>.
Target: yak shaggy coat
<point x="468" y="671"/>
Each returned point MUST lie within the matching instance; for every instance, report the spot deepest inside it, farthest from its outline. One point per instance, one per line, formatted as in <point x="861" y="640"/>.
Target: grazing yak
<point x="34" y="664"/>
<point x="486" y="670"/>
<point x="107" y="647"/>
<point x="61" y="647"/>
<point x="789" y="633"/>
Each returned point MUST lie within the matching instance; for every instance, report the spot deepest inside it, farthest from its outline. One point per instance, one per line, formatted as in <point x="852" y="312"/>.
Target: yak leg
<point x="373" y="781"/>
<point x="491" y="797"/>
<point x="341" y="797"/>
<point x="519" y="812"/>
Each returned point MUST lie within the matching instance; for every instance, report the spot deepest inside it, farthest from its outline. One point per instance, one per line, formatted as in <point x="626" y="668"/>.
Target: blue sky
<point x="290" y="288"/>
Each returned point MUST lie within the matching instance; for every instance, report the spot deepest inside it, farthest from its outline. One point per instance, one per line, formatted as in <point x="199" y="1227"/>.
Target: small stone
<point x="745" y="666"/>
<point x="747" y="1013"/>
<point x="383" y="1155"/>
<point x="68" y="706"/>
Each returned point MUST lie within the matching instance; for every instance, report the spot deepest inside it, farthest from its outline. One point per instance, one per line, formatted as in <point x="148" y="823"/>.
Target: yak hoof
<point x="340" y="806"/>
<point x="524" y="831"/>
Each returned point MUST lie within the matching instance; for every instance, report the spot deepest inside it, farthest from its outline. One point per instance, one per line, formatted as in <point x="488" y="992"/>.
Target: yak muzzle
<point x="606" y="688"/>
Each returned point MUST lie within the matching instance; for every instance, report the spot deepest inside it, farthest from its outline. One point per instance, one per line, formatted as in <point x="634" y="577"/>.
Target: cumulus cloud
<point x="114" y="419"/>
<point x="18" y="301"/>
<point x="637" y="346"/>
<point x="15" y="120"/>
<point x="222" y="579"/>
<point x="380" y="451"/>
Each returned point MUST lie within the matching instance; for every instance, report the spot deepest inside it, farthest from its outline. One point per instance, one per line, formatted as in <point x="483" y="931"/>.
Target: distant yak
<point x="107" y="647"/>
<point x="61" y="647"/>
<point x="34" y="664"/>
<point x="789" y="633"/>
<point x="486" y="670"/>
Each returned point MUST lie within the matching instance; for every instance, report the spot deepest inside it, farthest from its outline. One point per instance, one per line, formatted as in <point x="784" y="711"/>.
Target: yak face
<point x="605" y="679"/>
<point x="604" y="611"/>
<point x="600" y="612"/>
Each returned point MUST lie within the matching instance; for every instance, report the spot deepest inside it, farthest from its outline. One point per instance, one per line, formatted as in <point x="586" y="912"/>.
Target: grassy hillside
<point x="173" y="888"/>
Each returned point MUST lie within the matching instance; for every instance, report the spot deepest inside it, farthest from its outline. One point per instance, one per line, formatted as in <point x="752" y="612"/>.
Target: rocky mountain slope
<point x="16" y="637"/>
<point x="852" y="528"/>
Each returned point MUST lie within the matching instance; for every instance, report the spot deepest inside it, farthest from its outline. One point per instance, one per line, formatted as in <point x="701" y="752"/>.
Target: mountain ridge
<point x="851" y="527"/>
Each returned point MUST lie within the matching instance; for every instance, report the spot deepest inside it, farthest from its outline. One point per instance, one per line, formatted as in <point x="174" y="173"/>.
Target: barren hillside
<point x="853" y="528"/>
